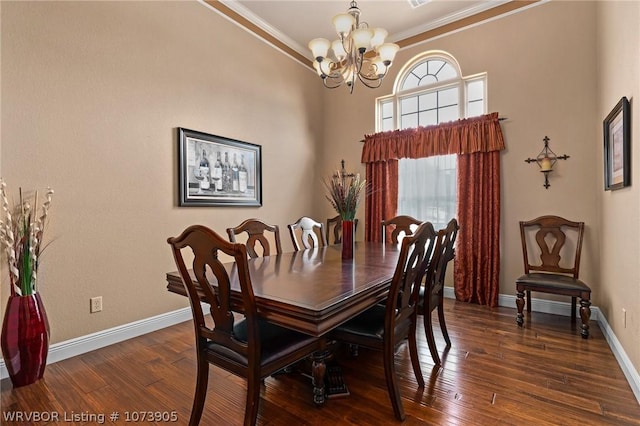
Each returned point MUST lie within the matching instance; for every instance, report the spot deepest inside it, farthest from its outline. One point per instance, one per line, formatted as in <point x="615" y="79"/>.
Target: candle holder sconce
<point x="546" y="160"/>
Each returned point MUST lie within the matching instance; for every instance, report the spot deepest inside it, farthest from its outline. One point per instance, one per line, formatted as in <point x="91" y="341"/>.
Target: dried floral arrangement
<point x="344" y="193"/>
<point x="21" y="233"/>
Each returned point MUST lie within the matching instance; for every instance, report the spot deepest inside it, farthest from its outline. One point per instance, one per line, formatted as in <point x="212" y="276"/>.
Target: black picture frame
<point x="202" y="183"/>
<point x="617" y="147"/>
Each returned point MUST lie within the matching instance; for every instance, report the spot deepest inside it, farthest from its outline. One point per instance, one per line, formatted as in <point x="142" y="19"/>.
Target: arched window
<point x="430" y="89"/>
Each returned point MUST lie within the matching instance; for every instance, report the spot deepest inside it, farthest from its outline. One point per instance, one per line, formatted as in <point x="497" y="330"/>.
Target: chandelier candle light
<point x="352" y="55"/>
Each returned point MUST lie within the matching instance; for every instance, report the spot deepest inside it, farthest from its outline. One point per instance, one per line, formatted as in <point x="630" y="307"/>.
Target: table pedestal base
<point x="318" y="371"/>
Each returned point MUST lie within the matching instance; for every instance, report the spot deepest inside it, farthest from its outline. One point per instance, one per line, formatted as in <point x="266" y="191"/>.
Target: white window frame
<point x="462" y="83"/>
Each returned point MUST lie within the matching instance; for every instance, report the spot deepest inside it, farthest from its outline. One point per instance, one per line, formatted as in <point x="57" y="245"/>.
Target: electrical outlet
<point x="96" y="304"/>
<point x="624" y="318"/>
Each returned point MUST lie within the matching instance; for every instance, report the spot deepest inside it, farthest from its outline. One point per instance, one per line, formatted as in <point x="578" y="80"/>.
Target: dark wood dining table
<point x="313" y="291"/>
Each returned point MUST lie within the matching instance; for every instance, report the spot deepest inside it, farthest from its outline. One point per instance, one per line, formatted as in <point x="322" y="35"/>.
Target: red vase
<point x="25" y="339"/>
<point x="348" y="239"/>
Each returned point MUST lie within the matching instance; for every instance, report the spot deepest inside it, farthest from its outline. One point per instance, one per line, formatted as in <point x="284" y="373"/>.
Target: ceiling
<point x="291" y="24"/>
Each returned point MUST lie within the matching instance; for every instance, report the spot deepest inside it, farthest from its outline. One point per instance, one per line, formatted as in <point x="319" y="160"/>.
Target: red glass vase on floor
<point x="348" y="239"/>
<point x="25" y="339"/>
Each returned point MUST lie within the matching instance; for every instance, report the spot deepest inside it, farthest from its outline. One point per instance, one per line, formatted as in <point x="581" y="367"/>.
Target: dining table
<point x="312" y="291"/>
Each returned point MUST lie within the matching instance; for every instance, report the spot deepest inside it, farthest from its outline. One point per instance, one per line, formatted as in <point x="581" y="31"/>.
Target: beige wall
<point x="92" y="93"/>
<point x="618" y="59"/>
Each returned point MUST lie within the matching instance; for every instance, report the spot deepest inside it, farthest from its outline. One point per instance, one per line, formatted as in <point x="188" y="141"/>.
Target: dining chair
<point x="431" y="294"/>
<point x="307" y="233"/>
<point x="334" y="227"/>
<point x="399" y="226"/>
<point x="384" y="327"/>
<point x="551" y="238"/>
<point x="250" y="347"/>
<point x="255" y="230"/>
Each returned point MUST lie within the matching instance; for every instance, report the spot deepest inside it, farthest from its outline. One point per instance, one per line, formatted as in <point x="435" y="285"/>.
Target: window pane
<point x="435" y="67"/>
<point x="475" y="108"/>
<point x="387" y="109"/>
<point x="448" y="97"/>
<point x="410" y="82"/>
<point x="428" y="79"/>
<point x="449" y="113"/>
<point x="475" y="90"/>
<point x="410" y="120"/>
<point x="415" y="77"/>
<point x="387" y="124"/>
<point x="448" y="72"/>
<point x="420" y="70"/>
<point x="427" y="189"/>
<point x="428" y="101"/>
<point x="427" y="118"/>
<point x="409" y="105"/>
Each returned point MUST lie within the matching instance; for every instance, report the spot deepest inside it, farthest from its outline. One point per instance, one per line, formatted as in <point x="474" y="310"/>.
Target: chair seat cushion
<point x="553" y="281"/>
<point x="275" y="341"/>
<point x="369" y="324"/>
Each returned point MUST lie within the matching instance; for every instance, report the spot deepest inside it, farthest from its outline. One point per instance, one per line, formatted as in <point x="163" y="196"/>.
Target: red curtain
<point x="475" y="134"/>
<point x="477" y="261"/>
<point x="478" y="141"/>
<point x="381" y="200"/>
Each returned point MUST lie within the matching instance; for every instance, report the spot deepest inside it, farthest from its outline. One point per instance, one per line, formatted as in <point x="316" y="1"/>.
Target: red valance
<point x="465" y="136"/>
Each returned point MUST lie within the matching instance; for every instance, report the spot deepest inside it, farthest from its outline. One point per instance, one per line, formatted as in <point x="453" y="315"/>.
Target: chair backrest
<point x="334" y="227"/>
<point x="551" y="238"/>
<point x="311" y="234"/>
<point x="398" y="225"/>
<point x="447" y="247"/>
<point x="207" y="269"/>
<point x="255" y="230"/>
<point x="444" y="253"/>
<point x="415" y="254"/>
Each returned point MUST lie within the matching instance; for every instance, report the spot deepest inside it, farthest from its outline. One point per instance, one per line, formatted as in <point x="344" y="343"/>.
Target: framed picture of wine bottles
<point x="218" y="171"/>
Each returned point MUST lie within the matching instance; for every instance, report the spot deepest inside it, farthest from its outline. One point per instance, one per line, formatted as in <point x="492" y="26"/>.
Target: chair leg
<point x="528" y="300"/>
<point x="413" y="352"/>
<point x="520" y="305"/>
<point x="392" y="382"/>
<point x="200" y="395"/>
<point x="431" y="341"/>
<point x="585" y="315"/>
<point x="443" y="324"/>
<point x="573" y="309"/>
<point x="253" y="399"/>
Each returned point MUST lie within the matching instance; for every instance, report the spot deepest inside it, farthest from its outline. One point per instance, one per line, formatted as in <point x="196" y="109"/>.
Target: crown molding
<point x="472" y="16"/>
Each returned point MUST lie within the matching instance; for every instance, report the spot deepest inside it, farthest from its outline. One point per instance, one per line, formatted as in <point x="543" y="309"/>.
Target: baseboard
<point x="90" y="342"/>
<point x="564" y="308"/>
<point x="618" y="351"/>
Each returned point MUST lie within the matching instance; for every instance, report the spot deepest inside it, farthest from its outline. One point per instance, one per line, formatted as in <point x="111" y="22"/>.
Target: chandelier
<point x="360" y="53"/>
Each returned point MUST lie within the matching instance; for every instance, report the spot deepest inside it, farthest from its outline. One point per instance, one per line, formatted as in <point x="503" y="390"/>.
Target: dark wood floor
<point x="494" y="374"/>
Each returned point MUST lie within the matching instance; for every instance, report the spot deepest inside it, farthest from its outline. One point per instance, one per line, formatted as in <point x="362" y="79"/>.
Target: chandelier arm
<point x="337" y="84"/>
<point x="365" y="77"/>
<point x="371" y="83"/>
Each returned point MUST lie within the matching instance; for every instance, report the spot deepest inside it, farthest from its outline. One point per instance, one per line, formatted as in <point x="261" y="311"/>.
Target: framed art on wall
<point x="218" y="171"/>
<point x="617" y="164"/>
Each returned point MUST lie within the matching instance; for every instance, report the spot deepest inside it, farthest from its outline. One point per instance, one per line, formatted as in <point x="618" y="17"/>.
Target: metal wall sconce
<point x="546" y="160"/>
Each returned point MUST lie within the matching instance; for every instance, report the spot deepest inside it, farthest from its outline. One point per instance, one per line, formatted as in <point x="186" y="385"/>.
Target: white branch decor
<point x="21" y="233"/>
